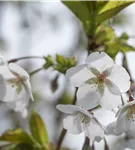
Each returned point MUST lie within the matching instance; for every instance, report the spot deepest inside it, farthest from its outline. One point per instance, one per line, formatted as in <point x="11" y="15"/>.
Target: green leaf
<point x="38" y="129"/>
<point x="17" y="136"/>
<point x="104" y="35"/>
<point x="83" y="11"/>
<point x="92" y="13"/>
<point x="60" y="59"/>
<point x="114" y="48"/>
<point x="49" y="62"/>
<point x="21" y="147"/>
<point x="101" y="1"/>
<point x="110" y="9"/>
<point x="124" y="37"/>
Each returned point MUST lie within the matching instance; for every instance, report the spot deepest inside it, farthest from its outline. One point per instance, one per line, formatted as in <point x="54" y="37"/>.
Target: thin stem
<point x="63" y="132"/>
<point x="26" y="57"/>
<point x="122" y="101"/>
<point x="125" y="65"/>
<point x="61" y="138"/>
<point x="75" y="98"/>
<point x="106" y="147"/>
<point x="86" y="145"/>
<point x="131" y="98"/>
<point x="35" y="71"/>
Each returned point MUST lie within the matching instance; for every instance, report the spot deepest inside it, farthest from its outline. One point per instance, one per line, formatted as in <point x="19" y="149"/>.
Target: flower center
<point x="82" y="118"/>
<point x="101" y="79"/>
<point x="131" y="113"/>
<point x="17" y="83"/>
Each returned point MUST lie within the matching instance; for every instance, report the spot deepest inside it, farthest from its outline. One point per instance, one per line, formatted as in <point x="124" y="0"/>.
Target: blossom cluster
<point x="15" y="88"/>
<point x="100" y="82"/>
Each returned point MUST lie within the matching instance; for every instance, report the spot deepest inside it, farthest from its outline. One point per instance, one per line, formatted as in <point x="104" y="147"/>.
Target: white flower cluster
<point x="100" y="82"/>
<point x="15" y="88"/>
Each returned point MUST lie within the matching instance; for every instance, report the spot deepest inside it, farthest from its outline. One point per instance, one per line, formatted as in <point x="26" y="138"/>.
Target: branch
<point x="35" y="71"/>
<point x="63" y="132"/>
<point x="26" y="57"/>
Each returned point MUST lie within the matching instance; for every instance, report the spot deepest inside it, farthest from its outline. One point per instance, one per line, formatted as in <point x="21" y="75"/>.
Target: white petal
<point x="6" y="73"/>
<point x="124" y="108"/>
<point x="12" y="94"/>
<point x="72" y="125"/>
<point x="2" y="88"/>
<point x="93" y="70"/>
<point x="130" y="123"/>
<point x="78" y="75"/>
<point x="28" y="89"/>
<point x="2" y="61"/>
<point x="109" y="100"/>
<point x="121" y="124"/>
<point x="100" y="61"/>
<point x="111" y="128"/>
<point x="95" y="132"/>
<point x="88" y="97"/>
<point x="113" y="88"/>
<point x="72" y="109"/>
<point x="121" y="78"/>
<point x="131" y="134"/>
<point x="68" y="109"/>
<point x="18" y="70"/>
<point x="19" y="105"/>
<point x="107" y="72"/>
<point x="24" y="113"/>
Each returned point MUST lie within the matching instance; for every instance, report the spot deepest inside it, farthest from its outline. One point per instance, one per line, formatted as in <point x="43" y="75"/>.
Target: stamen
<point x="131" y="113"/>
<point x="81" y="118"/>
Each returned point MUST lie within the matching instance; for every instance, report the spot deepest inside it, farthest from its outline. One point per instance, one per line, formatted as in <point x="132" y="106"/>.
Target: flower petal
<point x="72" y="109"/>
<point x="109" y="100"/>
<point x="6" y="73"/>
<point x="2" y="61"/>
<point x="95" y="132"/>
<point x="88" y="97"/>
<point x="78" y="75"/>
<point x="112" y="87"/>
<point x="12" y="94"/>
<point x="124" y="108"/>
<point x="93" y="70"/>
<point x="121" y="124"/>
<point x="19" y="105"/>
<point x="72" y="125"/>
<point x="68" y="109"/>
<point x="16" y="69"/>
<point x="111" y="128"/>
<point x="100" y="61"/>
<point x="24" y="113"/>
<point x="107" y="72"/>
<point x="121" y="78"/>
<point x="28" y="89"/>
<point x="2" y="88"/>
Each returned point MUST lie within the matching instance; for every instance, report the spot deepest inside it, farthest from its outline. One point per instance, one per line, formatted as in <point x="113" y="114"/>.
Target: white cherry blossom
<point x="125" y="122"/>
<point x="15" y="88"/>
<point x="79" y="120"/>
<point x="100" y="81"/>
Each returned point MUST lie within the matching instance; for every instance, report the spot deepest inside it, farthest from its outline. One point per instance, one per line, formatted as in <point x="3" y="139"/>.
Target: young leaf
<point x="20" y="147"/>
<point x="60" y="59"/>
<point x="110" y="9"/>
<point x="83" y="10"/>
<point x="17" y="136"/>
<point x="38" y="129"/>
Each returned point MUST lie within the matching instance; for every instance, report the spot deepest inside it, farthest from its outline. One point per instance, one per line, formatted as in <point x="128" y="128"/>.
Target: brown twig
<point x="86" y="145"/>
<point x="63" y="132"/>
<point x="26" y="57"/>
<point x="106" y="147"/>
<point x="61" y="138"/>
<point x="125" y="65"/>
